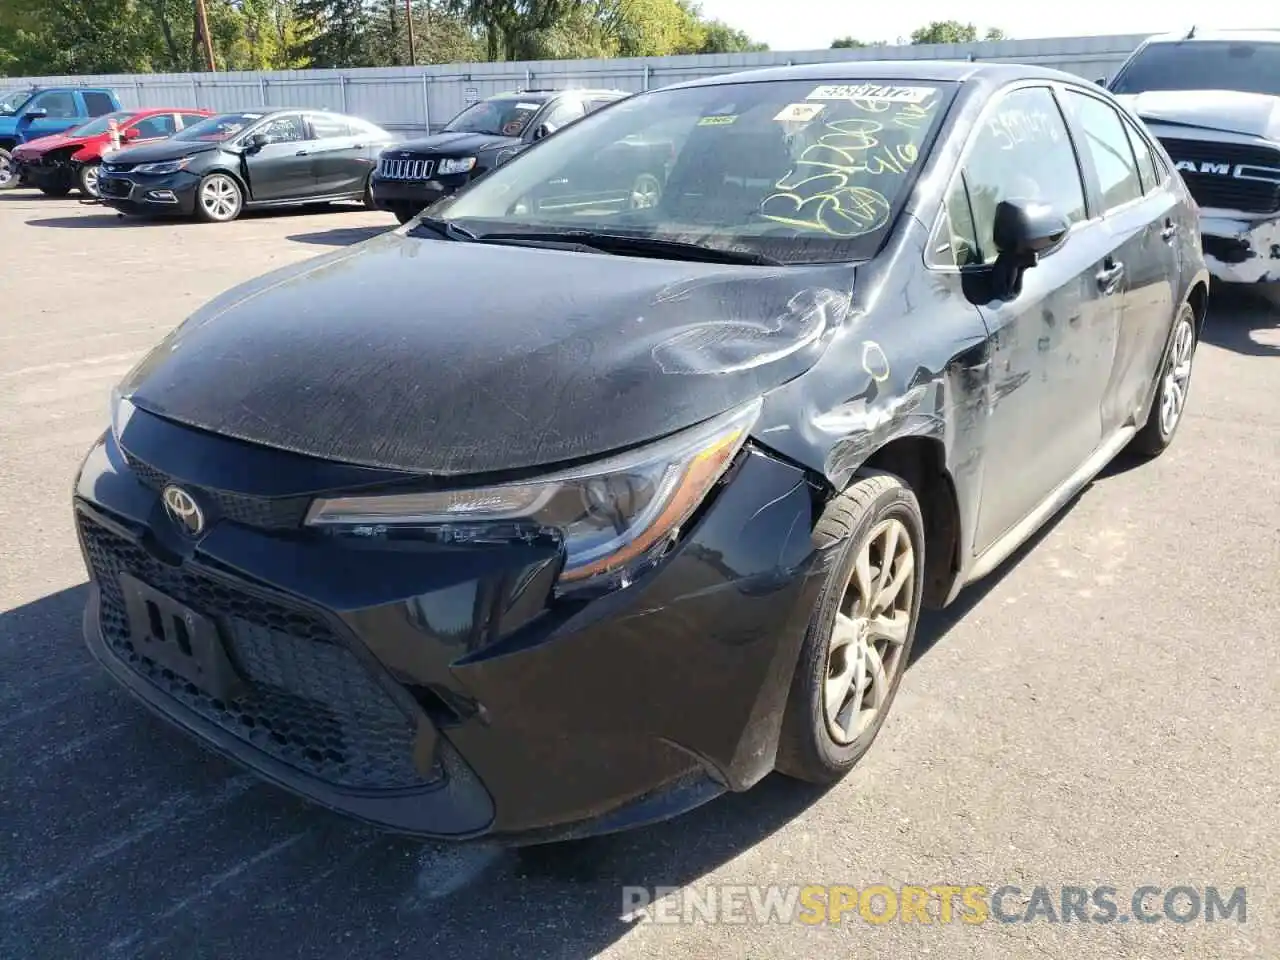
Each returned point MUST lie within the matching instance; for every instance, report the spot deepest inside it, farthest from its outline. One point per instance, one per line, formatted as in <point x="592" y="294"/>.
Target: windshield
<point x="1203" y="65"/>
<point x="501" y="117"/>
<point x="215" y="129"/>
<point x="11" y="100"/>
<point x="798" y="171"/>
<point x="100" y="125"/>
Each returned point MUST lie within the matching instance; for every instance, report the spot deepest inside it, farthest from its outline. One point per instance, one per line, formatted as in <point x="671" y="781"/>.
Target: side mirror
<point x="35" y="113"/>
<point x="1022" y="231"/>
<point x="257" y="141"/>
<point x="133" y="133"/>
<point x="544" y="130"/>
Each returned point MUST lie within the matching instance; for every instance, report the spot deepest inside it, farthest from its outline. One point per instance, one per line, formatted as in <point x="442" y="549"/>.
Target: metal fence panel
<point x="415" y="99"/>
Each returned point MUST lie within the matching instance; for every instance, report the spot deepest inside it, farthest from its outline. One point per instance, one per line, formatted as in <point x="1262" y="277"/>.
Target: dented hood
<point x="444" y="357"/>
<point x="1231" y="111"/>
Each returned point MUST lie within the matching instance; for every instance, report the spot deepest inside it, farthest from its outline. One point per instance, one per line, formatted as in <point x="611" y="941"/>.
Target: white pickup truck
<point x="1213" y="100"/>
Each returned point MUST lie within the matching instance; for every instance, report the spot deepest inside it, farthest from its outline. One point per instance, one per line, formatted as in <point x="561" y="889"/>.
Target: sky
<point x="813" y="24"/>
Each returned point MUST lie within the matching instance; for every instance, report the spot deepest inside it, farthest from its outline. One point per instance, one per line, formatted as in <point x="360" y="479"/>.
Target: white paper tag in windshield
<point x="871" y="91"/>
<point x="526" y="106"/>
<point x="799" y="112"/>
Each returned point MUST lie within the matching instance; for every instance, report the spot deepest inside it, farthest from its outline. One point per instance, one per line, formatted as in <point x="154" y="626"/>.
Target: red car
<point x="56" y="163"/>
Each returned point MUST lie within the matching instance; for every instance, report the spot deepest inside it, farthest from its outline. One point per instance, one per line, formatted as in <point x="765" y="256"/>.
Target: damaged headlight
<point x="612" y="517"/>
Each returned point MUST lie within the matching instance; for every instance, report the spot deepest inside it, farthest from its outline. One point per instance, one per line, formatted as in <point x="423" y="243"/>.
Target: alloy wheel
<point x="1177" y="377"/>
<point x="89" y="179"/>
<point x="864" y="654"/>
<point x="220" y="198"/>
<point x="6" y="169"/>
<point x="645" y="192"/>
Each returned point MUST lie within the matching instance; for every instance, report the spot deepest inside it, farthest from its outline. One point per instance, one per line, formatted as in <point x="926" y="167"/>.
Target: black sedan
<point x="531" y="521"/>
<point x="417" y="173"/>
<point x="244" y="160"/>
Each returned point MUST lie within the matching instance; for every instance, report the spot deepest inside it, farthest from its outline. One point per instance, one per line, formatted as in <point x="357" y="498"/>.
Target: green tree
<point x="846" y="43"/>
<point x="953" y="31"/>
<point x="337" y="33"/>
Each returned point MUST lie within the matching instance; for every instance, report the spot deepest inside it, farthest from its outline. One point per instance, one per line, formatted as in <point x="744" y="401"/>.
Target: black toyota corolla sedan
<point x="243" y="160"/>
<point x="533" y="520"/>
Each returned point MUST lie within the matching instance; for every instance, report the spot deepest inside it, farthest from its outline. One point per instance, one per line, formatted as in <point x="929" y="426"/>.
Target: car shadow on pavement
<point x="342" y="236"/>
<point x="127" y="838"/>
<point x="1236" y="313"/>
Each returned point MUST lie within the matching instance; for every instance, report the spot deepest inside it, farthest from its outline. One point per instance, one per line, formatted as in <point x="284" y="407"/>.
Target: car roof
<point x="548" y="94"/>
<point x="1238" y="36"/>
<point x="956" y="71"/>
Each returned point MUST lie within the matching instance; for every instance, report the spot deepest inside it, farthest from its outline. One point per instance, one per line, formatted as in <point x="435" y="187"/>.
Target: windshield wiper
<point x="624" y="244"/>
<point x="446" y="228"/>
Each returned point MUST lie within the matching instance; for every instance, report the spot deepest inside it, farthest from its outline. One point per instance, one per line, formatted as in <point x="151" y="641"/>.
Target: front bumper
<point x="412" y="196"/>
<point x="39" y="171"/>
<point x="440" y="690"/>
<point x="140" y="193"/>
<point x="1240" y="249"/>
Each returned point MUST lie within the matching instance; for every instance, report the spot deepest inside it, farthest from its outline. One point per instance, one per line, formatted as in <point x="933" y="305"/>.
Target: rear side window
<point x="1022" y="151"/>
<point x="327" y="125"/>
<point x="1148" y="169"/>
<point x="1107" y="143"/>
<point x="97" y="103"/>
<point x="191" y="119"/>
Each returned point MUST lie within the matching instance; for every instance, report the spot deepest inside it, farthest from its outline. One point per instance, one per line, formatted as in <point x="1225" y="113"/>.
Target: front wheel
<point x="88" y="179"/>
<point x="859" y="638"/>
<point x="8" y="173"/>
<point x="1171" y="393"/>
<point x="646" y="191"/>
<point x="218" y="199"/>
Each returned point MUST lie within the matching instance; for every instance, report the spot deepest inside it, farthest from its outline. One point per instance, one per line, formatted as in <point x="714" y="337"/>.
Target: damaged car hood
<point x="1231" y="111"/>
<point x="444" y="357"/>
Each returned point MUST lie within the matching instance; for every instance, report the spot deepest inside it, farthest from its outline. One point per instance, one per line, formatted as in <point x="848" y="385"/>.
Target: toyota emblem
<point x="183" y="510"/>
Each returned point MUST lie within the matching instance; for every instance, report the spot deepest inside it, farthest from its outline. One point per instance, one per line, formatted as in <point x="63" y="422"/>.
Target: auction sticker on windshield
<point x="871" y="91"/>
<point x="722" y="121"/>
<point x="799" y="112"/>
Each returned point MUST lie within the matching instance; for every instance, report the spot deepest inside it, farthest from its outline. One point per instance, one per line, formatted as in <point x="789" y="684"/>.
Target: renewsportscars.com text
<point x="936" y="903"/>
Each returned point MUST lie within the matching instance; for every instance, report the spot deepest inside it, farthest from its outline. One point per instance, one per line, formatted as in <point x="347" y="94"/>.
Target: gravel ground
<point x="1098" y="712"/>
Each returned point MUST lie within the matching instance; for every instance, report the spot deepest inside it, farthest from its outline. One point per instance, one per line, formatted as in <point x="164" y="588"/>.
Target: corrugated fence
<point x="414" y="99"/>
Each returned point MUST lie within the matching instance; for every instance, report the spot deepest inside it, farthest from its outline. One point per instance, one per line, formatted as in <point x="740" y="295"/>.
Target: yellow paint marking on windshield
<point x="723" y="121"/>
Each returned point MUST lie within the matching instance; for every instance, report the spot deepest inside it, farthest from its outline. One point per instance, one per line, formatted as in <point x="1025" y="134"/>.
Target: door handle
<point x="1109" y="276"/>
<point x="1170" y="229"/>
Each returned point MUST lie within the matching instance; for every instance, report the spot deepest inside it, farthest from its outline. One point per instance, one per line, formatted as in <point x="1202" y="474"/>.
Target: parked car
<point x="416" y="173"/>
<point x="242" y="160"/>
<point x="57" y="163"/>
<point x="34" y="112"/>
<point x="1213" y="99"/>
<point x="533" y="523"/>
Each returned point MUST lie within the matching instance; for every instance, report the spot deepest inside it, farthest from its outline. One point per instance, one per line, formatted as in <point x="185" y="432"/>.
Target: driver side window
<point x="58" y="103"/>
<point x="1022" y="151"/>
<point x="286" y="129"/>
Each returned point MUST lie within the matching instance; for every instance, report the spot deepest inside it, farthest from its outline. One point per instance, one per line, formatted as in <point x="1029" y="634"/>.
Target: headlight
<point x="456" y="165"/>
<point x="612" y="518"/>
<point x="164" y="166"/>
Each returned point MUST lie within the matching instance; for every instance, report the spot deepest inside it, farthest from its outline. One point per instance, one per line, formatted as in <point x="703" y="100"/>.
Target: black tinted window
<point x="1203" y="65"/>
<point x="1108" y="145"/>
<point x="97" y="103"/>
<point x="1023" y="152"/>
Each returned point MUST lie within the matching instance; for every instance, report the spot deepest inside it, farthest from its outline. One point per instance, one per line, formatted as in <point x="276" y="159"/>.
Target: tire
<point x="367" y="197"/>
<point x="858" y="522"/>
<point x="646" y="192"/>
<point x="87" y="179"/>
<point x="1172" y="389"/>
<point x="219" y="198"/>
<point x="8" y="175"/>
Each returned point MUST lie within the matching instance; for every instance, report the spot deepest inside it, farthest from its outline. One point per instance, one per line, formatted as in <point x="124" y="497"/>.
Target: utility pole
<point x="408" y="16"/>
<point x="203" y="37"/>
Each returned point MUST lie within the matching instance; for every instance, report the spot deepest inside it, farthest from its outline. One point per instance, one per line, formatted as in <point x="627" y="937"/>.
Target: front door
<point x="61" y="112"/>
<point x="1142" y="217"/>
<point x="1051" y="344"/>
<point x="282" y="169"/>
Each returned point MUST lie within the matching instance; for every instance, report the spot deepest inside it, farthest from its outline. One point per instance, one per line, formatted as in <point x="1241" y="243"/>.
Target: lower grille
<point x="1229" y="176"/>
<point x="396" y="169"/>
<point x="265" y="513"/>
<point x="115" y="187"/>
<point x="310" y="704"/>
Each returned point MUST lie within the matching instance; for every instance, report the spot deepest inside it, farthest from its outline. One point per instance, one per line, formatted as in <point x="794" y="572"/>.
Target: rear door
<point x="282" y="170"/>
<point x="1142" y="216"/>
<point x="338" y="160"/>
<point x="1051" y="344"/>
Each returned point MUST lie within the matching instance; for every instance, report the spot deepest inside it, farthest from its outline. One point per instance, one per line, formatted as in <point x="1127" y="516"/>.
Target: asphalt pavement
<point x="1100" y="712"/>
